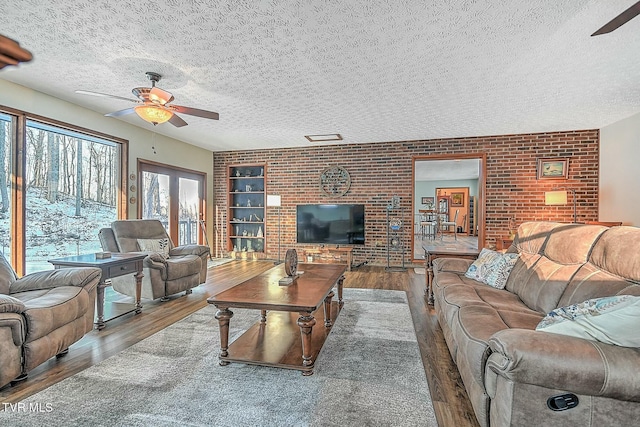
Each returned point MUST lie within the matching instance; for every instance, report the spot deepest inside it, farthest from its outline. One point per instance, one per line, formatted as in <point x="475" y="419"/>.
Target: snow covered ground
<point x="54" y="230"/>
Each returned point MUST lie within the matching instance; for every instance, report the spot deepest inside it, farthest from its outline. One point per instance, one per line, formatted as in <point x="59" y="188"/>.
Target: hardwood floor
<point x="450" y="400"/>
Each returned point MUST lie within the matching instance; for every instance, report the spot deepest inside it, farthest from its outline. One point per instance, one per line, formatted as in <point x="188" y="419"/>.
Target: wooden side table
<point x="430" y="254"/>
<point x="118" y="265"/>
<point x="503" y="242"/>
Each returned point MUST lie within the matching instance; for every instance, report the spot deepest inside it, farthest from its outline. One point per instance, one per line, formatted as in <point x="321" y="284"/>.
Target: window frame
<point x="18" y="163"/>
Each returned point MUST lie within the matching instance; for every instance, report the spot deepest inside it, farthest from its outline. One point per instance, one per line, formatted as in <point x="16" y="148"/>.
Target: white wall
<point x="167" y="150"/>
<point x="620" y="171"/>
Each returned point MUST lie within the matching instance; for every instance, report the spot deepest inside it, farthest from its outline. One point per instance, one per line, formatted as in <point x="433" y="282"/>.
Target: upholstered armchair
<point x="41" y="315"/>
<point x="168" y="269"/>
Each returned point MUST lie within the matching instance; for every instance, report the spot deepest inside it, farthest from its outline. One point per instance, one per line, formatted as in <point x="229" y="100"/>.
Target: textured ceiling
<point x="370" y="70"/>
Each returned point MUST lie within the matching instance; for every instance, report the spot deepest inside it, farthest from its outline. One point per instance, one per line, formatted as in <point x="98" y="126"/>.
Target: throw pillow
<point x="479" y="269"/>
<point x="499" y="270"/>
<point x="611" y="320"/>
<point x="160" y="246"/>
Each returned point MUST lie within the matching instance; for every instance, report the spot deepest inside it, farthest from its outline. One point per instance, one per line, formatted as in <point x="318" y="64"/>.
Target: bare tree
<point x="53" y="166"/>
<point x="79" y="178"/>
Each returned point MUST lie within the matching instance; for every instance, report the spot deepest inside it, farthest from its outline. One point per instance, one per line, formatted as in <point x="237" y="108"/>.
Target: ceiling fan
<point x="154" y="105"/>
<point x="619" y="20"/>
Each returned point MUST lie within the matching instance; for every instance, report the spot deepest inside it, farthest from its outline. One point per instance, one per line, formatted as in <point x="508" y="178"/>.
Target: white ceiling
<point x="370" y="70"/>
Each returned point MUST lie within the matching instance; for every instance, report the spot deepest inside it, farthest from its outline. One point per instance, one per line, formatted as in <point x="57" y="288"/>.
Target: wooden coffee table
<point x="288" y="338"/>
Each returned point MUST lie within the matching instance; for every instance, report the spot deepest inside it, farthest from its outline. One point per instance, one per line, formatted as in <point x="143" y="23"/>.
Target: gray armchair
<point x="41" y="315"/>
<point x="168" y="269"/>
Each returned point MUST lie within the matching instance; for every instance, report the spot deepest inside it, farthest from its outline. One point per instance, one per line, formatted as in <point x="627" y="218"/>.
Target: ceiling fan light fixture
<point x="153" y="114"/>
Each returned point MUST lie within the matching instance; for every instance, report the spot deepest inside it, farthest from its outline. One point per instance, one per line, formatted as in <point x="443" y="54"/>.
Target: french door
<point x="174" y="196"/>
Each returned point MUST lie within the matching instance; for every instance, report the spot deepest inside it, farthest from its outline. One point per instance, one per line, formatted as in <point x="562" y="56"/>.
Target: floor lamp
<point x="274" y="200"/>
<point x="559" y="197"/>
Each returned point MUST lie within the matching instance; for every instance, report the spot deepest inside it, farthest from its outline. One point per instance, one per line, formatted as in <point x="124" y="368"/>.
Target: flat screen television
<point x="339" y="224"/>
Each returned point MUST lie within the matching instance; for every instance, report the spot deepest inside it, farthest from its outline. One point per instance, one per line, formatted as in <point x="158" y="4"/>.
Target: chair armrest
<point x="189" y="250"/>
<point x="155" y="260"/>
<point x="9" y="304"/>
<point x="81" y="276"/>
<point x="565" y="363"/>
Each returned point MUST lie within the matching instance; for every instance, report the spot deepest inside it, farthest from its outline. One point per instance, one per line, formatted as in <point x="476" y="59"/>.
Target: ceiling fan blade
<point x="105" y="95"/>
<point x="195" y="112"/>
<point x="160" y="96"/>
<point x="177" y="121"/>
<point x="619" y="20"/>
<point x="121" y="112"/>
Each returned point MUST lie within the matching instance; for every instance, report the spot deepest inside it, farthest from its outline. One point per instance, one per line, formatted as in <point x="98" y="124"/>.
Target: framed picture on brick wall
<point x="553" y="168"/>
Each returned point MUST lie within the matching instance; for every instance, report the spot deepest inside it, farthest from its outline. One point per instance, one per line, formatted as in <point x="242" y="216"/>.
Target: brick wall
<point x="381" y="170"/>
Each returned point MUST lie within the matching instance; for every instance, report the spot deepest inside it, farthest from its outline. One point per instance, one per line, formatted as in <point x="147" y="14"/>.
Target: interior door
<point x="175" y="197"/>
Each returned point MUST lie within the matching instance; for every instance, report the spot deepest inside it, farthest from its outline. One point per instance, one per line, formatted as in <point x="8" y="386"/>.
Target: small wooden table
<point x="289" y="339"/>
<point x="503" y="242"/>
<point x="118" y="265"/>
<point x="431" y="254"/>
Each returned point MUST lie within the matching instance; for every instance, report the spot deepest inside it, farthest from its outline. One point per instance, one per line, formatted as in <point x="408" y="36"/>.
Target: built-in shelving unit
<point x="246" y="210"/>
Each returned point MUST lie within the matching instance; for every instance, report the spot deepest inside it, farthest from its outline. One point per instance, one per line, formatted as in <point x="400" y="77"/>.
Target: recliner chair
<point x="168" y="269"/>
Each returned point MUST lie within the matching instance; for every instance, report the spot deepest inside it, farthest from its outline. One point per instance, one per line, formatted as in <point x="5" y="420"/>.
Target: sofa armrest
<point x="198" y="250"/>
<point x="81" y="276"/>
<point x="565" y="363"/>
<point x="9" y="304"/>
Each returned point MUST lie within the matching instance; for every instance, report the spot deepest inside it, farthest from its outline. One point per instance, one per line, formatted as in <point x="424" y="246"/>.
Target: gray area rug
<point x="369" y="373"/>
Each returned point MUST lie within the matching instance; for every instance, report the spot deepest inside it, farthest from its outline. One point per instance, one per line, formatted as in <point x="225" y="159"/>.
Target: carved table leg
<point x="306" y="322"/>
<point x="429" y="284"/>
<point x="100" y="306"/>
<point x="263" y="316"/>
<point x="224" y="315"/>
<point x="327" y="309"/>
<point x="340" y="286"/>
<point x="138" y="277"/>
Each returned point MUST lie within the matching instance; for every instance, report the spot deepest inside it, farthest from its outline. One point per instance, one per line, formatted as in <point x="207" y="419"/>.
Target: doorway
<point x="462" y="176"/>
<point x="175" y="197"/>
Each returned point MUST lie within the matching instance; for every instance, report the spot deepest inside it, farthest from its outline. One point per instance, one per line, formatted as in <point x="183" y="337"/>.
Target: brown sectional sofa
<point x="41" y="315"/>
<point x="513" y="373"/>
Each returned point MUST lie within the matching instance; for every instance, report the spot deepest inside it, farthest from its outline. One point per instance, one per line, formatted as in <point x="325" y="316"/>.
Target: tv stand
<point x="329" y="254"/>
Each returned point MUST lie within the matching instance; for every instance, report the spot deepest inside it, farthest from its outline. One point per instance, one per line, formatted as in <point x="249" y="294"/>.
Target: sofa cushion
<point x="183" y="266"/>
<point x="541" y="279"/>
<point x="477" y="323"/>
<point x="49" y="309"/>
<point x="612" y="320"/>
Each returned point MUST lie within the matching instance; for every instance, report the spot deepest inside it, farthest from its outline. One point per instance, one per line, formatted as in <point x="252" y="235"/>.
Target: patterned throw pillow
<point x="160" y="246"/>
<point x="612" y="320"/>
<point x="479" y="269"/>
<point x="500" y="269"/>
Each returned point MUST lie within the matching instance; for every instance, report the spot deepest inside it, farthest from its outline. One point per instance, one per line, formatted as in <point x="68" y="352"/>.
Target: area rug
<point x="369" y="373"/>
<point x="218" y="261"/>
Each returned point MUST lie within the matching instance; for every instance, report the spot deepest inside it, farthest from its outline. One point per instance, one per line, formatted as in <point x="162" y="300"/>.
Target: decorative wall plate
<point x="395" y="224"/>
<point x="335" y="181"/>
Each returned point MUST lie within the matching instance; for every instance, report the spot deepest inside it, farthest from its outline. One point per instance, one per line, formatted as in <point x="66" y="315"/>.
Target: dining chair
<point x="447" y="224"/>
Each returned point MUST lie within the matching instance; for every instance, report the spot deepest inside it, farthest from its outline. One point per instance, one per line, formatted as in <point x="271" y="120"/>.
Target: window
<point x="66" y="187"/>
